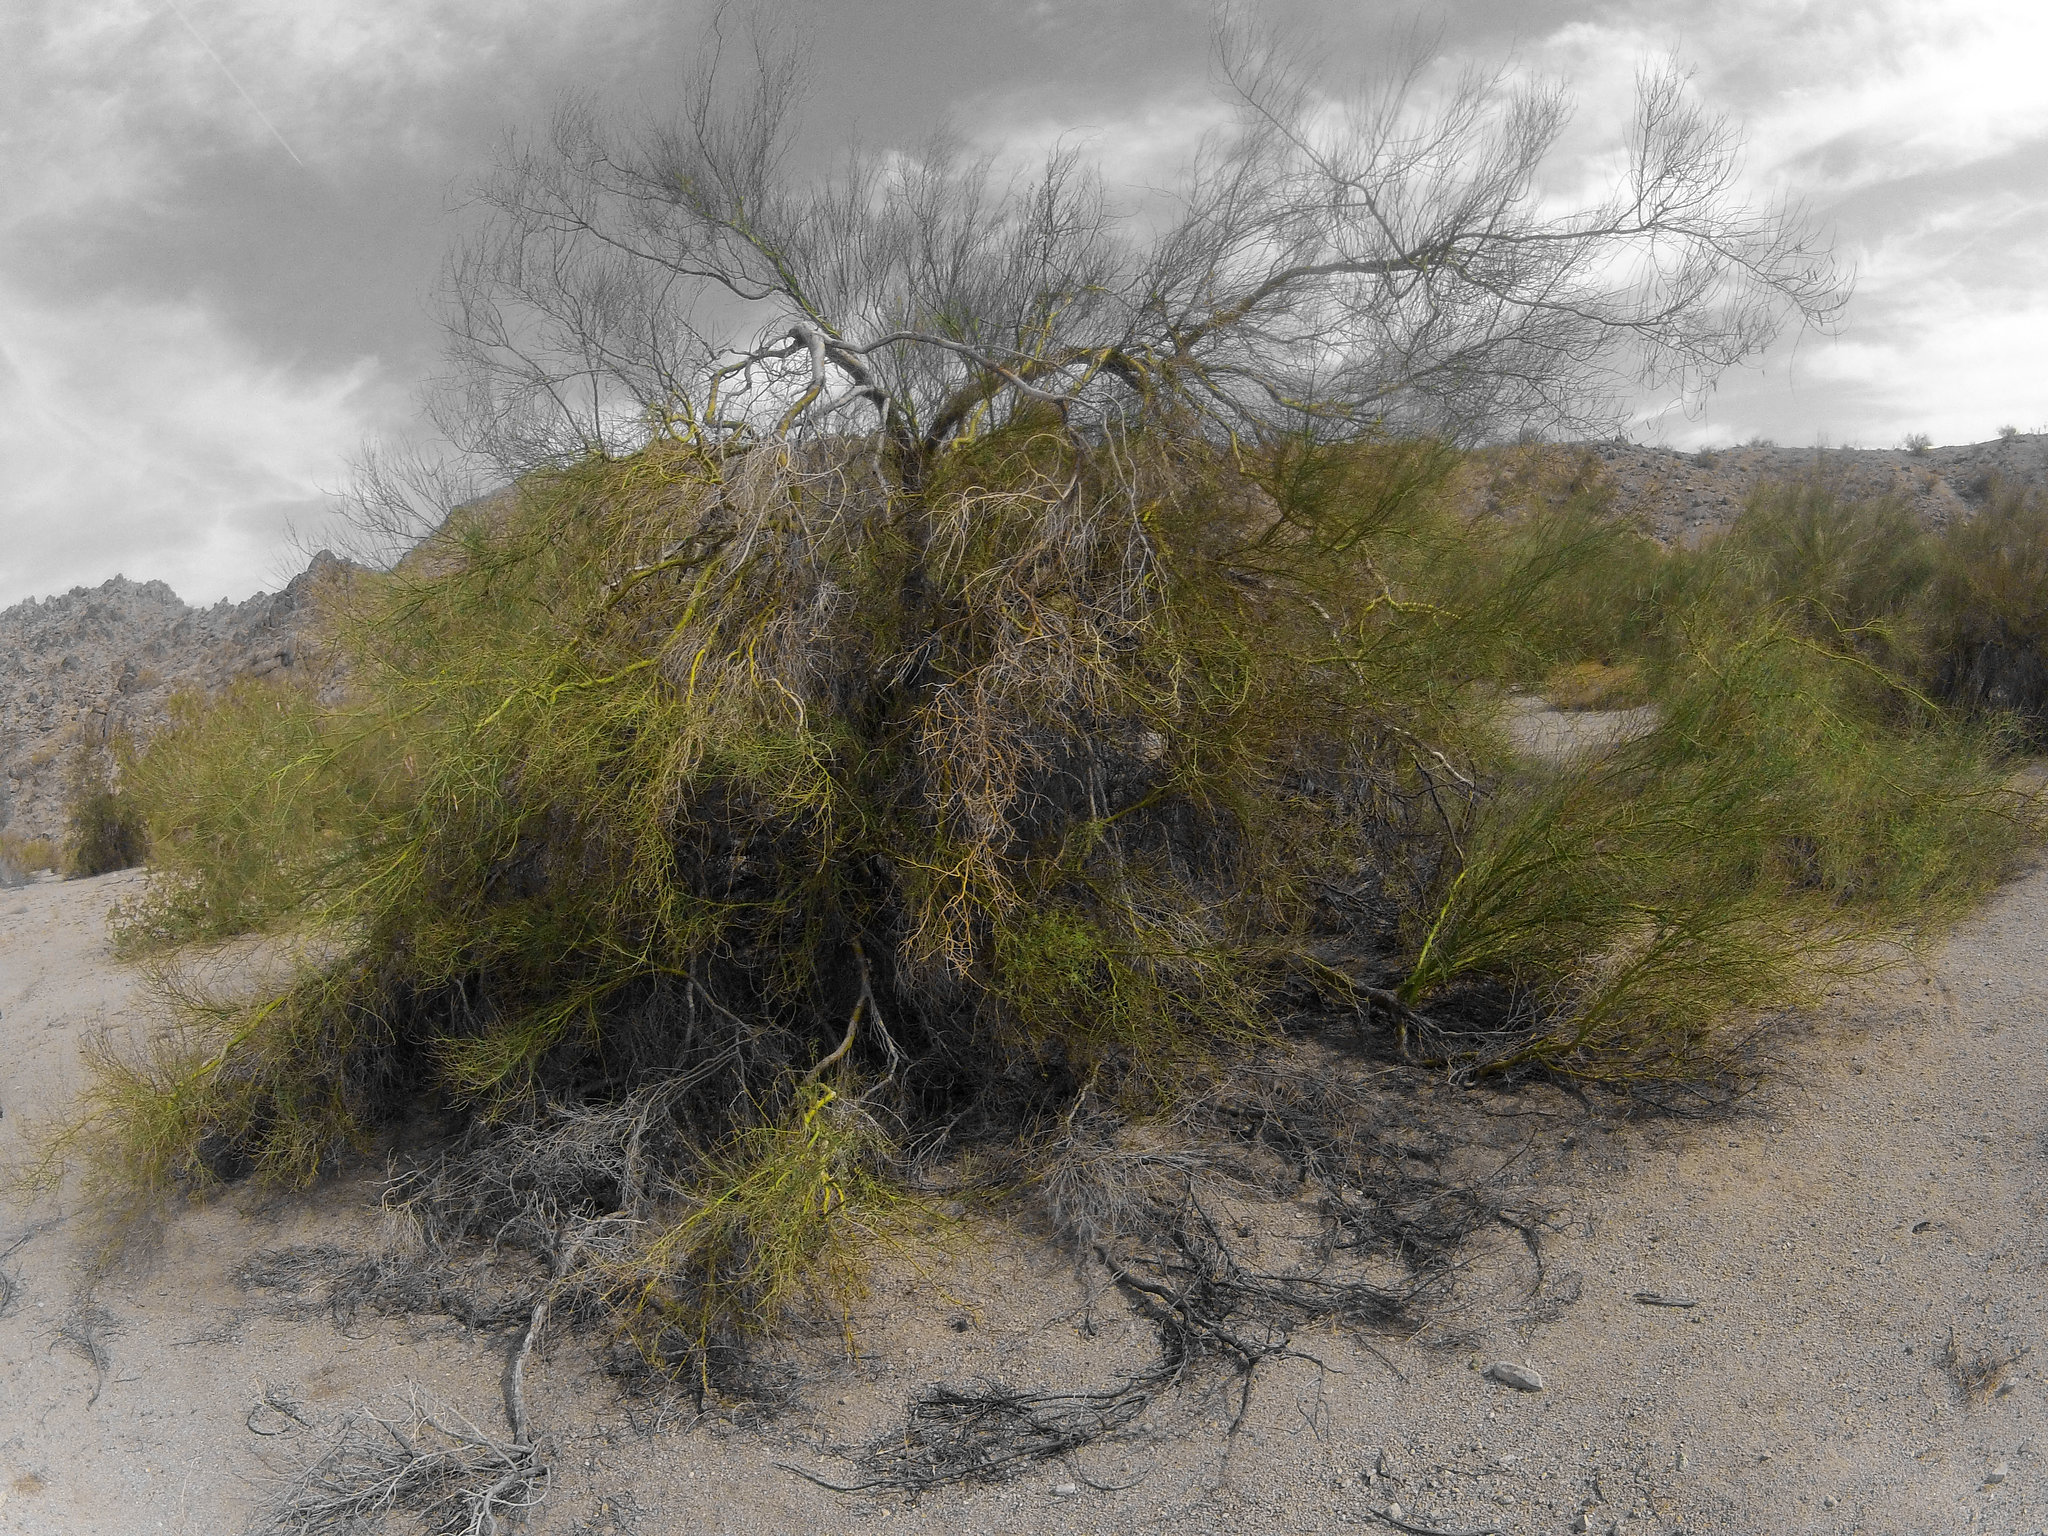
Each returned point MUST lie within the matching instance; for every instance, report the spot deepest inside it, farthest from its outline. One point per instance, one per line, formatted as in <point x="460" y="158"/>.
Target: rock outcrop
<point x="1685" y="497"/>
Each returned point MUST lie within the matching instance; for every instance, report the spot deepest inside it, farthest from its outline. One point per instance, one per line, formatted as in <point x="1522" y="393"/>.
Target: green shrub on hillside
<point x="1957" y="615"/>
<point x="704" y="829"/>
<point x="103" y="830"/>
<point x="1990" y="610"/>
<point x="1852" y="573"/>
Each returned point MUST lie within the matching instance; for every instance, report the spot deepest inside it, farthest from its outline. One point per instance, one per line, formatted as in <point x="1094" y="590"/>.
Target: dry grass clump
<point x="713" y="838"/>
<point x="1980" y="1374"/>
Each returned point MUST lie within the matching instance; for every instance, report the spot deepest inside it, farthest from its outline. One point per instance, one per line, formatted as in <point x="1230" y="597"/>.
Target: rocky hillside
<point x="1683" y="497"/>
<point x="99" y="661"/>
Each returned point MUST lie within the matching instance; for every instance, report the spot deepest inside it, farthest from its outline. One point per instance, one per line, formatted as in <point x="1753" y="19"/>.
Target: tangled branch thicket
<point x="434" y="1464"/>
<point x="749" y="812"/>
<point x="716" y="850"/>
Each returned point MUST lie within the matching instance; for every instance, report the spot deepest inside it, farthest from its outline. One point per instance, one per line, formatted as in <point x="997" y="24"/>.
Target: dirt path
<point x="1890" y="1195"/>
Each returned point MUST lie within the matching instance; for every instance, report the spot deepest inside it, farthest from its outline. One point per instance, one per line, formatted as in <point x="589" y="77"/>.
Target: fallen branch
<point x="436" y="1465"/>
<point x="1401" y="1523"/>
<point x="989" y="1434"/>
<point x="1657" y="1299"/>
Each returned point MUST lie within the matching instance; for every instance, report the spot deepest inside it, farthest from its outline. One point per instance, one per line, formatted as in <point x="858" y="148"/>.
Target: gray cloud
<point x="196" y="330"/>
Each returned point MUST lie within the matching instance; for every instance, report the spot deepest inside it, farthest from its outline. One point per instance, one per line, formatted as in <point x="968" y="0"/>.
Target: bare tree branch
<point x="1345" y="263"/>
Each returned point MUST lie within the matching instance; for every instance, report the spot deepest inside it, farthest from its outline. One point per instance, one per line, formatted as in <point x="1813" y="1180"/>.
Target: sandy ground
<point x="1557" y="736"/>
<point x="1887" y="1198"/>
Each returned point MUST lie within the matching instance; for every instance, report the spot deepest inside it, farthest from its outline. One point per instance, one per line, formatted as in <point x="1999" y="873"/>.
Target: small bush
<point x="2008" y="432"/>
<point x="1989" y="622"/>
<point x="1733" y="857"/>
<point x="1919" y="444"/>
<point x="1851" y="572"/>
<point x="103" y="827"/>
<point x="1956" y="615"/>
<point x="21" y="857"/>
<point x="709" y="834"/>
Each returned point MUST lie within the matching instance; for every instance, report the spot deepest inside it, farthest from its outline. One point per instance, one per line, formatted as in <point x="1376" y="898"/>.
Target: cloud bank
<point x="221" y="220"/>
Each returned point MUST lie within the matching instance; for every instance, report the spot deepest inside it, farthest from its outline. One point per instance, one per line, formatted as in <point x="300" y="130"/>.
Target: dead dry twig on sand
<point x="457" y="1479"/>
<point x="1415" y="1528"/>
<point x="989" y="1433"/>
<point x="84" y="1332"/>
<point x="1980" y="1373"/>
<point x="310" y="1279"/>
<point x="434" y="1463"/>
<point x="1393" y="1215"/>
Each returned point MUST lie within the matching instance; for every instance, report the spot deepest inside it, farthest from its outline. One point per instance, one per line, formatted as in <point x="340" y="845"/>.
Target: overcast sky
<point x="221" y="221"/>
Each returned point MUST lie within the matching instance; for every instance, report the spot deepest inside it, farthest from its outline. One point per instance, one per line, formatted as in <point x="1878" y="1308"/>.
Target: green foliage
<point x="103" y="831"/>
<point x="778" y="817"/>
<point x="247" y="802"/>
<point x="1744" y="851"/>
<point x="1989" y="625"/>
<point x="1958" y="615"/>
<point x="1853" y="574"/>
<point x="786" y="1206"/>
<point x="1604" y="589"/>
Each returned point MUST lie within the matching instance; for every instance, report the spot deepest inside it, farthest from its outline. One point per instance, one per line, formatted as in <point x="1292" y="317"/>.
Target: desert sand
<point x="1884" y="1198"/>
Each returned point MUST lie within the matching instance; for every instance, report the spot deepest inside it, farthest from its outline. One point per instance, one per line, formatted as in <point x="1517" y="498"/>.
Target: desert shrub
<point x="104" y="830"/>
<point x="244" y="801"/>
<point x="1032" y="668"/>
<point x="21" y="856"/>
<point x="706" y="834"/>
<point x="1851" y="572"/>
<point x="1955" y="615"/>
<point x="104" y="835"/>
<point x="1989" y="610"/>
<point x="1737" y="856"/>
<point x="1609" y="607"/>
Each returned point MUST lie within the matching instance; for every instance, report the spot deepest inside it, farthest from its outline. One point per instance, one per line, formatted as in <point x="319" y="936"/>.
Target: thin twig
<point x="1401" y="1523"/>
